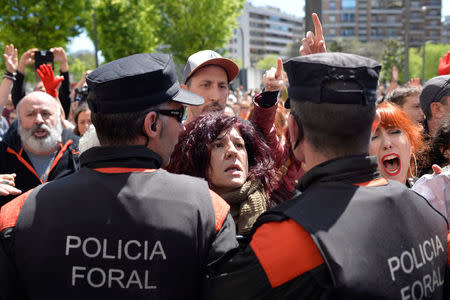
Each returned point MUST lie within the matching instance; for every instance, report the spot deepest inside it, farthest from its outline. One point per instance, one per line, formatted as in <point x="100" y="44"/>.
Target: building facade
<point x="263" y="31"/>
<point x="445" y="33"/>
<point x="373" y="20"/>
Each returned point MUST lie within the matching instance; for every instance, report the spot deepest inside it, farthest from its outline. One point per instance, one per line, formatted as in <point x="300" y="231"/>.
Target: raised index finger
<point x="317" y="26"/>
<point x="279" y="67"/>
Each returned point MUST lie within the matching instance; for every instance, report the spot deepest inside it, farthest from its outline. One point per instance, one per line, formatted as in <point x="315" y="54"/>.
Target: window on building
<point x="332" y="32"/>
<point x="332" y="18"/>
<point x="348" y="17"/>
<point x="348" y="4"/>
<point x="391" y="19"/>
<point x="332" y="6"/>
<point x="385" y="4"/>
<point x="347" y="32"/>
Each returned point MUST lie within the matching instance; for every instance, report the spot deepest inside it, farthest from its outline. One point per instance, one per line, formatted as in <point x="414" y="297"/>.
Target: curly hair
<point x="434" y="153"/>
<point x="192" y="154"/>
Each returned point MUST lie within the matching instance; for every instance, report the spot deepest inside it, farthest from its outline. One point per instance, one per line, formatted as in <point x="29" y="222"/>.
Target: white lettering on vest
<point x="97" y="244"/>
<point x="69" y="244"/>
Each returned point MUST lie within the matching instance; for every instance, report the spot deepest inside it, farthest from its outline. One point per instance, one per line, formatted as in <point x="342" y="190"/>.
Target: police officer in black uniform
<point x="350" y="234"/>
<point x="121" y="227"/>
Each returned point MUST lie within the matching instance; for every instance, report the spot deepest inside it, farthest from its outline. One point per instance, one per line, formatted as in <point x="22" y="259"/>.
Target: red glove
<point x="49" y="80"/>
<point x="444" y="65"/>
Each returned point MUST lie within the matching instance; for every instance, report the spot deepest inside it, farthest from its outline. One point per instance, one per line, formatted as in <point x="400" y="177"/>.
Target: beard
<point x="40" y="144"/>
<point x="215" y="106"/>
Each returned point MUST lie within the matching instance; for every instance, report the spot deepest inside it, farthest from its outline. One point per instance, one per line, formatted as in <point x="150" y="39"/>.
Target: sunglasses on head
<point x="180" y="114"/>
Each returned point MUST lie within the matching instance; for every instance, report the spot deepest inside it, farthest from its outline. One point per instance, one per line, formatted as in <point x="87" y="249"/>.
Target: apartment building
<point x="445" y="32"/>
<point x="372" y="20"/>
<point x="263" y="31"/>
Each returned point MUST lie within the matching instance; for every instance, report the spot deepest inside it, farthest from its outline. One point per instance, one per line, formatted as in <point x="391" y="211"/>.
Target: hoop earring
<point x="415" y="167"/>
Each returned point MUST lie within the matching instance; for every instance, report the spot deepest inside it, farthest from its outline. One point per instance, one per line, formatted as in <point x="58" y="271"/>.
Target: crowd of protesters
<point x="322" y="184"/>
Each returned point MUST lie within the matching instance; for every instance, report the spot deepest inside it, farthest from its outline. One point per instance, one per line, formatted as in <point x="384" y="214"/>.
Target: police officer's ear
<point x="294" y="132"/>
<point x="151" y="124"/>
<point x="296" y="137"/>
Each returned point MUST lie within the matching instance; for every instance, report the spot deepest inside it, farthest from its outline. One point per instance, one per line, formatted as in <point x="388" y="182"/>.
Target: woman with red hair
<point x="395" y="142"/>
<point x="231" y="156"/>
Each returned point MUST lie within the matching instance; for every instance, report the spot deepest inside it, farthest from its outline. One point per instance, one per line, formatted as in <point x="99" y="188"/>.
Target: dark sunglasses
<point x="180" y="114"/>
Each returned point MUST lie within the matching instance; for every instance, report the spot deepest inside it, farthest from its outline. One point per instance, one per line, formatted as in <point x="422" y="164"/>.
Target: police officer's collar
<point x="120" y="156"/>
<point x="350" y="169"/>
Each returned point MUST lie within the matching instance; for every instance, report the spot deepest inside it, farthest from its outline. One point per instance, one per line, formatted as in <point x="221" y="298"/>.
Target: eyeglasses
<point x="180" y="114"/>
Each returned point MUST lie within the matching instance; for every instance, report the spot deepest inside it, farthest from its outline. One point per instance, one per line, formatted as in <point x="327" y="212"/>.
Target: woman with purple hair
<point x="235" y="161"/>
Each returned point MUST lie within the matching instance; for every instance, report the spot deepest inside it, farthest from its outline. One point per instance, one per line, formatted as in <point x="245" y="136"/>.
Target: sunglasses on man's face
<point x="180" y="114"/>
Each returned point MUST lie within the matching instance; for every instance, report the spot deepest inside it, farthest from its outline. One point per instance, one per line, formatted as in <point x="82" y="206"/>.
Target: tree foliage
<point x="188" y="26"/>
<point x="124" y="27"/>
<point x="39" y="23"/>
<point x="393" y="55"/>
<point x="267" y="62"/>
<point x="432" y="54"/>
<point x="79" y="63"/>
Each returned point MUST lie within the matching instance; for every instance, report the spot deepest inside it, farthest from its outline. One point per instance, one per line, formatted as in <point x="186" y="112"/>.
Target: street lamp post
<point x="407" y="15"/>
<point x="424" y="10"/>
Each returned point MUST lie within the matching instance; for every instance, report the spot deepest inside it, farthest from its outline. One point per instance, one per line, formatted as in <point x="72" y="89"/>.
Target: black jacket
<point x="13" y="159"/>
<point x="120" y="228"/>
<point x="349" y="235"/>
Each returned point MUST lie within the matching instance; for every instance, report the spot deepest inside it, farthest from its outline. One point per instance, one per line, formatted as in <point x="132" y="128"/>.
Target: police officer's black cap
<point x="309" y="74"/>
<point x="135" y="83"/>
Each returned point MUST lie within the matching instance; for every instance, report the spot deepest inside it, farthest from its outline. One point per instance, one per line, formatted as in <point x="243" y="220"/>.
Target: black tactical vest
<point x="383" y="242"/>
<point x="119" y="236"/>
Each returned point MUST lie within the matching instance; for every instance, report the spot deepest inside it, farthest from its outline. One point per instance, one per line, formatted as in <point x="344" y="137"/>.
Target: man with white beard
<point x="40" y="150"/>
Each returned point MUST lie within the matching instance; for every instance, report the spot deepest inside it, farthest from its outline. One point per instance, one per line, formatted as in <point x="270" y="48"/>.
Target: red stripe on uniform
<point x="221" y="209"/>
<point x="448" y="250"/>
<point x="285" y="251"/>
<point x="376" y="182"/>
<point x="11" y="210"/>
<point x="123" y="170"/>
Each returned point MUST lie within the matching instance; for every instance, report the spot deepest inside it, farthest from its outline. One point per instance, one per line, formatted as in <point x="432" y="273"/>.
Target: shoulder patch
<point x="285" y="251"/>
<point x="221" y="209"/>
<point x="11" y="210"/>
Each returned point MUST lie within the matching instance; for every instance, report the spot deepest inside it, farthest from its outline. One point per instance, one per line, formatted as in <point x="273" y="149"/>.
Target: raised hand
<point x="394" y="74"/>
<point x="59" y="55"/>
<point x="414" y="82"/>
<point x="313" y="43"/>
<point x="274" y="79"/>
<point x="11" y="60"/>
<point x="51" y="82"/>
<point x="444" y="65"/>
<point x="26" y="59"/>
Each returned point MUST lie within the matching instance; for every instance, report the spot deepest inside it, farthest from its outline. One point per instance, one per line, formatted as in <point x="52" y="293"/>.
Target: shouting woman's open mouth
<point x="391" y="164"/>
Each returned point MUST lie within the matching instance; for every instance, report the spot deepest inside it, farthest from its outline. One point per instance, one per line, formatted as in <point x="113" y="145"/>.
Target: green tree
<point x="124" y="27"/>
<point x="40" y="23"/>
<point x="237" y="61"/>
<point x="267" y="62"/>
<point x="432" y="54"/>
<point x="79" y="63"/>
<point x="188" y="26"/>
<point x="393" y="55"/>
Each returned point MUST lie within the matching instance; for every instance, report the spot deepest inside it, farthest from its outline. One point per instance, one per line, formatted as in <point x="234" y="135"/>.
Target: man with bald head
<point x="40" y="150"/>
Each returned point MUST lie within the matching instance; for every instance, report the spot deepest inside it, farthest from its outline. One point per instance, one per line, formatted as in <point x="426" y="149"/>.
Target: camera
<point x="81" y="94"/>
<point x="42" y="57"/>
